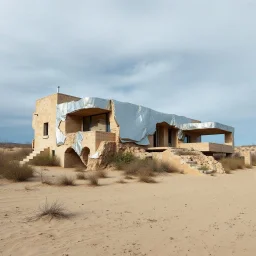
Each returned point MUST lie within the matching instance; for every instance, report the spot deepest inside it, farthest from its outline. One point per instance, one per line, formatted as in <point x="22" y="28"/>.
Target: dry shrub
<point x="121" y="159"/>
<point x="145" y="175"/>
<point x="14" y="171"/>
<point x="14" y="155"/>
<point x="66" y="181"/>
<point x="102" y="174"/>
<point x="93" y="179"/>
<point x="80" y="176"/>
<point x="45" y="160"/>
<point x="54" y="210"/>
<point x="248" y="166"/>
<point x="232" y="163"/>
<point x="151" y="165"/>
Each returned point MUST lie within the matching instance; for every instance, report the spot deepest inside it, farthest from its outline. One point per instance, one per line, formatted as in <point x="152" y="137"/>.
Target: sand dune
<point x="180" y="215"/>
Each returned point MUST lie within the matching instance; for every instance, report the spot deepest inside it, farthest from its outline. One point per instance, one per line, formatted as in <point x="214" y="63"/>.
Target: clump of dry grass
<point x="102" y="174"/>
<point x="151" y="165"/>
<point x="54" y="210"/>
<point x="12" y="170"/>
<point x="145" y="175"/>
<point x="248" y="166"/>
<point x="45" y="160"/>
<point x="81" y="176"/>
<point x="93" y="179"/>
<point x="66" y="181"/>
<point x="232" y="163"/>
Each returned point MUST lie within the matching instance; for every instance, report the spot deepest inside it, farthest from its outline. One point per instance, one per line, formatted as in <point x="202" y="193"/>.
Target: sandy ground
<point x="180" y="215"/>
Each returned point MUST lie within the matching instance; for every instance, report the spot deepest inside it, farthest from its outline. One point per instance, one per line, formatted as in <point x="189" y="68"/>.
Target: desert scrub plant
<point x="45" y="160"/>
<point x="101" y="174"/>
<point x="232" y="163"/>
<point x="51" y="211"/>
<point x="146" y="176"/>
<point x="12" y="170"/>
<point x="152" y="165"/>
<point x="65" y="181"/>
<point x="121" y="159"/>
<point x="80" y="176"/>
<point x="93" y="179"/>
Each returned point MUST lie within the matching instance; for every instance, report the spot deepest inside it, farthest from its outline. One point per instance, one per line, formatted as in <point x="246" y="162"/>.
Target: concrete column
<point x="229" y="138"/>
<point x="247" y="158"/>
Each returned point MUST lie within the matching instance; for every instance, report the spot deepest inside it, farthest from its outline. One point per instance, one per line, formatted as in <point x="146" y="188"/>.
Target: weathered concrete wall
<point x="45" y="112"/>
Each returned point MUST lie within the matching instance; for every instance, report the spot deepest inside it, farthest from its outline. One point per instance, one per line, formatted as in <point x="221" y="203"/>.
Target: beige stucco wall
<point x="45" y="112"/>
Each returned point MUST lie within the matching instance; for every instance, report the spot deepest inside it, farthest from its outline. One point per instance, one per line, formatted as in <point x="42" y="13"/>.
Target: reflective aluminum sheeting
<point x="137" y="122"/>
<point x="77" y="146"/>
<point x="68" y="107"/>
<point x="206" y="125"/>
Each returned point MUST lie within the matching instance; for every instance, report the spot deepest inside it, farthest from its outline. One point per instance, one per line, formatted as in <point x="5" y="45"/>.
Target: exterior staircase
<point x="35" y="153"/>
<point x="190" y="157"/>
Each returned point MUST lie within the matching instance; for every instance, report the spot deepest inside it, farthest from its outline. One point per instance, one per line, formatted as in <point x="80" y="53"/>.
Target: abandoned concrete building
<point x="75" y="129"/>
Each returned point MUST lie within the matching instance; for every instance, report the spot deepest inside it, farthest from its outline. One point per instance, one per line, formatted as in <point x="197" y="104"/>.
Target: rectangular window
<point x="187" y="139"/>
<point x="46" y="129"/>
<point x="86" y="123"/>
<point x="96" y="123"/>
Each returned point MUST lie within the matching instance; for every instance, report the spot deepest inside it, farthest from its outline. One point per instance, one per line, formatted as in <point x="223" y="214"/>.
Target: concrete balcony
<point x="207" y="147"/>
<point x="91" y="139"/>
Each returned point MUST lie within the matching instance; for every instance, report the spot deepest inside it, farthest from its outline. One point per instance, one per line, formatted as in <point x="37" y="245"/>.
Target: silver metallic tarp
<point x="68" y="107"/>
<point x="206" y="125"/>
<point x="137" y="122"/>
<point x="77" y="146"/>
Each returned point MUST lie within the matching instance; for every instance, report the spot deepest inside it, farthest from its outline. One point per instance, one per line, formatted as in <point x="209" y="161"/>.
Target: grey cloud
<point x="193" y="58"/>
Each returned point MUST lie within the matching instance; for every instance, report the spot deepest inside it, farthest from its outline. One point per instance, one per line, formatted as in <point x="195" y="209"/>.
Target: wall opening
<point x="85" y="155"/>
<point x="218" y="138"/>
<point x="72" y="159"/>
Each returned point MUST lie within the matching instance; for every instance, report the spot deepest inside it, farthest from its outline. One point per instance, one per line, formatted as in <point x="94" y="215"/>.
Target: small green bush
<point x="121" y="159"/>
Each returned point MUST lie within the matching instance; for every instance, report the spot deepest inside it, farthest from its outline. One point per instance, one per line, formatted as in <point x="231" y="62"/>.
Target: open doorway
<point x="72" y="159"/>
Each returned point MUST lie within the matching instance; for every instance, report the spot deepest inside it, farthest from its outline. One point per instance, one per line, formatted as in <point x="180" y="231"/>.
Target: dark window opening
<point x="98" y="122"/>
<point x="170" y="137"/>
<point x="46" y="129"/>
<point x="53" y="153"/>
<point x="187" y="139"/>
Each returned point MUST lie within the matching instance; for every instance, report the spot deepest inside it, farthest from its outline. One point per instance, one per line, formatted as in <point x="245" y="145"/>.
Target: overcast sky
<point x="194" y="58"/>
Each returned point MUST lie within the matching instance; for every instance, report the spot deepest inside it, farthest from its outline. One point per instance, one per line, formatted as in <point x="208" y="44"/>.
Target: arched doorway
<point x="72" y="159"/>
<point x="85" y="155"/>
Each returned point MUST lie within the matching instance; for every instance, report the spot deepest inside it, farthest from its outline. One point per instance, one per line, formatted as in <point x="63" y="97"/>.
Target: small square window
<point x="46" y="129"/>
